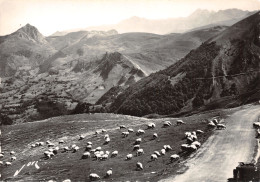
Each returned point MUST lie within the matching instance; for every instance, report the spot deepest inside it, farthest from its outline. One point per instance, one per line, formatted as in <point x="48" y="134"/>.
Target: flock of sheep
<point x="97" y="153"/>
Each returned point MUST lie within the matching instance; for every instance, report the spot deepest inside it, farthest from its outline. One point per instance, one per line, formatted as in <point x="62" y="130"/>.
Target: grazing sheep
<point x="8" y="163"/>
<point x="101" y="152"/>
<point x="104" y="157"/>
<point x="94" y="176"/>
<point x="122" y="127"/>
<point x="130" y="130"/>
<point x="33" y="146"/>
<point x="51" y="145"/>
<point x="140" y="132"/>
<point x="139" y="152"/>
<point x="98" y="156"/>
<point x="98" y="149"/>
<point x="139" y="166"/>
<point x="66" y="180"/>
<point x="75" y="149"/>
<point x="136" y="147"/>
<point x="151" y="126"/>
<point x="154" y="157"/>
<point x="88" y="147"/>
<point x="167" y="123"/>
<point x="211" y="125"/>
<point x="13" y="158"/>
<point x="106" y="136"/>
<point x="73" y="146"/>
<point x="199" y="132"/>
<point x="221" y="127"/>
<point x="215" y="121"/>
<point x="187" y="134"/>
<point x="256" y="124"/>
<point x="55" y="150"/>
<point x="85" y="155"/>
<point x="109" y="172"/>
<point x="192" y="147"/>
<point x="81" y="137"/>
<point x="157" y="153"/>
<point x="1" y="163"/>
<point x="174" y="157"/>
<point x="114" y="154"/>
<point x="107" y="140"/>
<point x="66" y="149"/>
<point x="41" y="143"/>
<point x="92" y="151"/>
<point x="180" y="122"/>
<point x="138" y="140"/>
<point x="1" y="155"/>
<point x="12" y="153"/>
<point x="47" y="142"/>
<point x="89" y="143"/>
<point x="103" y="130"/>
<point x="197" y="144"/>
<point x="167" y="147"/>
<point x="61" y="141"/>
<point x="107" y="152"/>
<point x="96" y="132"/>
<point x="184" y="147"/>
<point x="125" y="134"/>
<point x="163" y="151"/>
<point x="129" y="156"/>
<point x="155" y="135"/>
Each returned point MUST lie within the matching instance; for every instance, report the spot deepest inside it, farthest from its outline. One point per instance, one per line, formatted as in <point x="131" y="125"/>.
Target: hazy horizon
<point x="51" y="16"/>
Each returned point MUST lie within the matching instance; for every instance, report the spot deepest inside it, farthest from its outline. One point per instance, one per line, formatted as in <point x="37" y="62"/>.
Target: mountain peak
<point x="31" y="33"/>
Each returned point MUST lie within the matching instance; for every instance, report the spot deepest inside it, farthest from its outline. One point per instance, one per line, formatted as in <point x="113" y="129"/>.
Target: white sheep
<point x="103" y="130"/>
<point x="33" y="146"/>
<point x="139" y="166"/>
<point x="215" y="121"/>
<point x="211" y="124"/>
<point x="154" y="157"/>
<point x="81" y="137"/>
<point x="66" y="149"/>
<point x="98" y="149"/>
<point x="184" y="147"/>
<point x="125" y="134"/>
<point x="1" y="163"/>
<point x="129" y="156"/>
<point x="122" y="127"/>
<point x="107" y="140"/>
<point x="167" y="147"/>
<point x="136" y="147"/>
<point x="139" y="152"/>
<point x="130" y="130"/>
<point x="174" y="157"/>
<point x="61" y="141"/>
<point x="114" y="153"/>
<point x="193" y="147"/>
<point x="138" y="140"/>
<point x="167" y="123"/>
<point x="187" y="134"/>
<point x="89" y="143"/>
<point x="8" y="163"/>
<point x="221" y="126"/>
<point x="140" y="132"/>
<point x="163" y="151"/>
<point x="47" y="142"/>
<point x="196" y="143"/>
<point x="66" y="180"/>
<point x="12" y="153"/>
<point x="180" y="122"/>
<point x="73" y="146"/>
<point x="88" y="147"/>
<point x="155" y="135"/>
<point x="1" y="155"/>
<point x="75" y="149"/>
<point x="151" y="126"/>
<point x="41" y="143"/>
<point x="13" y="158"/>
<point x="157" y="153"/>
<point x="85" y="155"/>
<point x="107" y="152"/>
<point x="109" y="172"/>
<point x="51" y="145"/>
<point x="94" y="176"/>
<point x="104" y="157"/>
<point x="106" y="136"/>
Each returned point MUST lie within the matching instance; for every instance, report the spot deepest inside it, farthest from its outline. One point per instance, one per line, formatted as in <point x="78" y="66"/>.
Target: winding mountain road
<point x="221" y="153"/>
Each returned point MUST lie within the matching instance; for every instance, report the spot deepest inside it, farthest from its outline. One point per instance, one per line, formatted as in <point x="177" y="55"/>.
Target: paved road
<point x="218" y="157"/>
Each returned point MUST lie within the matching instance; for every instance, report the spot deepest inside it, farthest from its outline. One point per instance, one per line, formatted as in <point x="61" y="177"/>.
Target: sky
<point x="50" y="16"/>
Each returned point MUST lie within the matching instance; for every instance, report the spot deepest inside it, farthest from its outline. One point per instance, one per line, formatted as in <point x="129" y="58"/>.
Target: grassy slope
<point x="70" y="165"/>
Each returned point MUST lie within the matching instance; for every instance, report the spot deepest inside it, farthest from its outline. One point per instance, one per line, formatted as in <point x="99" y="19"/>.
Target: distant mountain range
<point x="222" y="72"/>
<point x="199" y="18"/>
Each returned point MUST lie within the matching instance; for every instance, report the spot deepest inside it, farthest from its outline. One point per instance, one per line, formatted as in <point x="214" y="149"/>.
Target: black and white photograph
<point x="130" y="90"/>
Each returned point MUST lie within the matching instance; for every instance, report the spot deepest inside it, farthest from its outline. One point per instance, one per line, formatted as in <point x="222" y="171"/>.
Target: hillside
<point x="51" y="75"/>
<point x="225" y="66"/>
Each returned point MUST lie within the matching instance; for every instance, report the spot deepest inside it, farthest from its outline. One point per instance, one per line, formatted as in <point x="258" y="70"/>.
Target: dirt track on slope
<point x="218" y="157"/>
